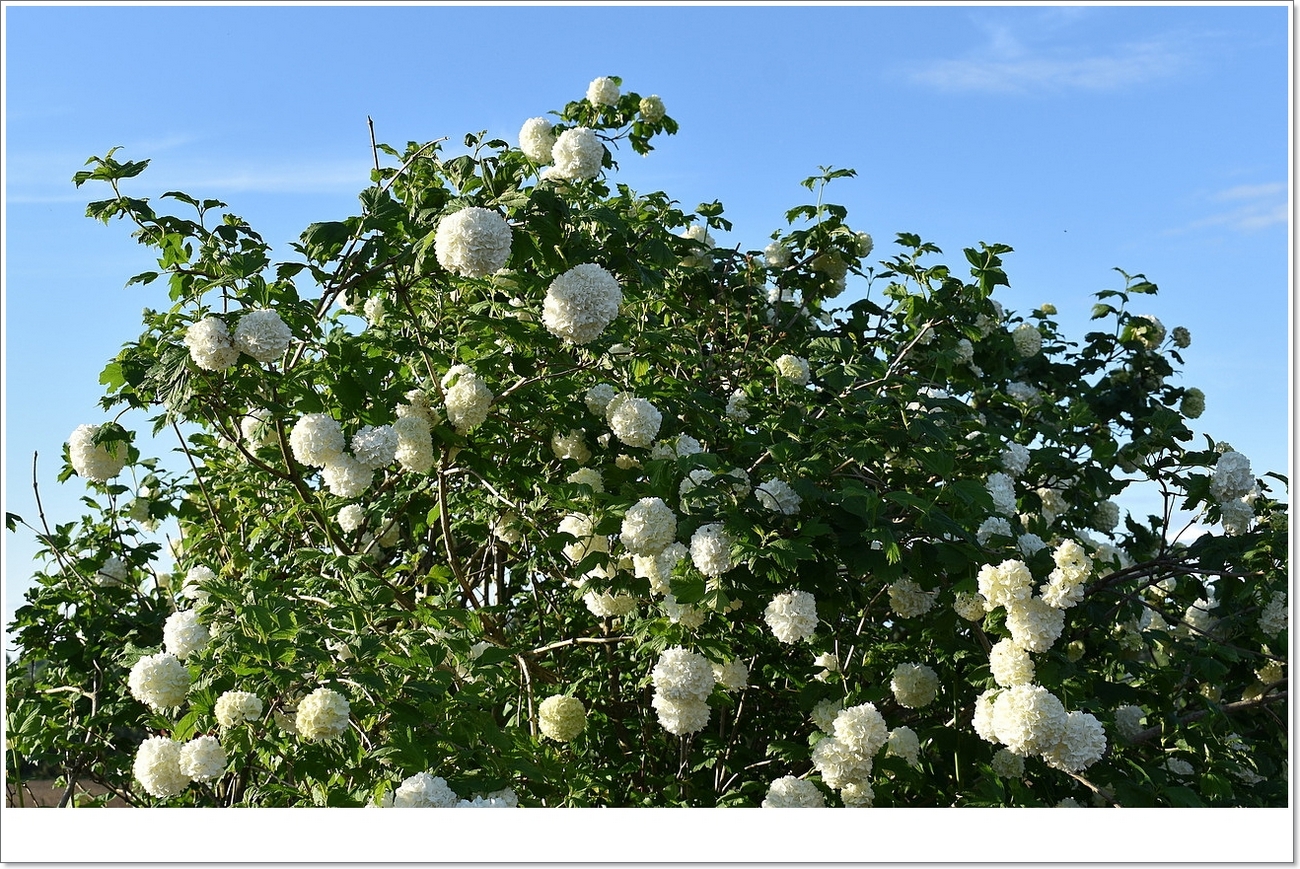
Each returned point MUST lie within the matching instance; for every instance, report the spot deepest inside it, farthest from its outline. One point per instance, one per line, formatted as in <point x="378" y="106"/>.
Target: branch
<point x="575" y="642"/>
<point x="1229" y="708"/>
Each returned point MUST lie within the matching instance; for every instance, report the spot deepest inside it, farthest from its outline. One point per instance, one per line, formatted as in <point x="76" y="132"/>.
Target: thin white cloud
<point x="1134" y="65"/>
<point x="1259" y="207"/>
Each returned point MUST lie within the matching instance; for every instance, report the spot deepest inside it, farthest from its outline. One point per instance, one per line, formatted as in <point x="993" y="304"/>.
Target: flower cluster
<point x="581" y="302"/>
<point x="322" y="714"/>
<point x="467" y="398"/>
<point x="536" y="139"/>
<point x="159" y="681"/>
<point x="262" y="335"/>
<point x="649" y="526"/>
<point x="203" y="759"/>
<point x="210" y="344"/>
<point x="683" y="680"/>
<point x="561" y="717"/>
<point x="914" y="685"/>
<point x="233" y="708"/>
<point x="792" y="616"/>
<point x="908" y="600"/>
<point x="789" y="792"/>
<point x="424" y="791"/>
<point x="158" y="767"/>
<point x="473" y="242"/>
<point x="92" y="461"/>
<point x="1028" y="340"/>
<point x="793" y="369"/>
<point x="183" y="635"/>
<point x="577" y="155"/>
<point x="776" y="495"/>
<point x="633" y="420"/>
<point x="602" y="91"/>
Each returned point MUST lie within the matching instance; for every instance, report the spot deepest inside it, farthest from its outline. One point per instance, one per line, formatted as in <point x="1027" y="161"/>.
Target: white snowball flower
<point x="1011" y="665"/>
<point x="589" y="477"/>
<point x="862" y="729"/>
<point x="203" y="759"/>
<point x="581" y="302"/>
<point x="681" y="674"/>
<point x="1147" y="329"/>
<point x="598" y="398"/>
<point x="983" y="718"/>
<point x="561" y="717"/>
<point x="1082" y="744"/>
<point x="789" y="792"/>
<point x="374" y="446"/>
<point x="316" y="440"/>
<point x="195" y="579"/>
<point x="908" y="600"/>
<point x="1273" y="617"/>
<point x="824" y="713"/>
<point x="536" y="139"/>
<point x="711" y="549"/>
<point x="605" y="605"/>
<point x="776" y="255"/>
<point x="473" y="242"/>
<point x="322" y="714"/>
<point x="602" y="92"/>
<point x="414" y="444"/>
<point x="738" y="407"/>
<point x="1008" y="765"/>
<point x="903" y="742"/>
<point x="1034" y="625"/>
<point x="577" y="154"/>
<point x="793" y="369"/>
<point x="792" y="616"/>
<point x="583" y="528"/>
<point x="92" y="461"/>
<point x="777" y="496"/>
<point x="112" y="573"/>
<point x="258" y="428"/>
<point x="1106" y="517"/>
<point x="158" y="767"/>
<point x="731" y="676"/>
<point x="914" y="685"/>
<point x="424" y="791"/>
<point x="1023" y="393"/>
<point x="346" y="477"/>
<point x="1028" y="719"/>
<point x="183" y="635"/>
<point x="688" y="616"/>
<point x="1029" y="543"/>
<point x="1028" y="340"/>
<point x="994" y="525"/>
<point x="1192" y="404"/>
<point x="681" y="717"/>
<point x="1128" y="721"/>
<point x="648" y="527"/>
<point x="233" y="708"/>
<point x="570" y="446"/>
<point x="1015" y="459"/>
<point x="634" y="421"/>
<point x="1232" y="477"/>
<point x="374" y="311"/>
<point x="159" y="681"/>
<point x="652" y="108"/>
<point x="658" y="568"/>
<point x="210" y="344"/>
<point x="1006" y="583"/>
<point x="262" y="335"/>
<point x="351" y="517"/>
<point x="970" y="606"/>
<point x="467" y="398"/>
<point x="839" y="764"/>
<point x="1003" y="492"/>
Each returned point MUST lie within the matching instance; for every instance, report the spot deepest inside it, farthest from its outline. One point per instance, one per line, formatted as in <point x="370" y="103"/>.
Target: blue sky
<point x="1154" y="139"/>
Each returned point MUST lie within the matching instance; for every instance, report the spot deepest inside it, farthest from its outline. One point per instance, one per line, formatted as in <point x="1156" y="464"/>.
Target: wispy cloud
<point x="1008" y="63"/>
<point x="1254" y="207"/>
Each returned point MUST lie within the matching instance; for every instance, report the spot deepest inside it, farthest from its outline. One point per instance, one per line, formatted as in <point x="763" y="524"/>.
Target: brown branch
<point x="1229" y="708"/>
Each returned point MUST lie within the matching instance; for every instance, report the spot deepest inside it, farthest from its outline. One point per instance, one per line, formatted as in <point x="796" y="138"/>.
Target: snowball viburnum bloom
<point x="183" y="635"/>
<point x="536" y="139"/>
<point x="792" y="616"/>
<point x="1232" y="477"/>
<point x="473" y="242"/>
<point x="467" y="397"/>
<point x="92" y="461"/>
<point x="577" y="154"/>
<point x="322" y="714"/>
<point x="1082" y="744"/>
<point x="648" y="527"/>
<point x="908" y="600"/>
<point x="210" y="344"/>
<point x="374" y="446"/>
<point x="414" y="444"/>
<point x="793" y="369"/>
<point x="1010" y="664"/>
<point x="1034" y="625"/>
<point x="1006" y="583"/>
<point x="789" y="792"/>
<point x="561" y="717"/>
<point x="346" y="477"/>
<point x="316" y="439"/>
<point x="424" y="791"/>
<point x="711" y="549"/>
<point x="1028" y="340"/>
<point x="1028" y="719"/>
<point x="581" y="302"/>
<point x="776" y="495"/>
<point x="861" y="728"/>
<point x="262" y="335"/>
<point x="581" y="527"/>
<point x="634" y="421"/>
<point x="159" y="681"/>
<point x="158" y="767"/>
<point x="236" y="707"/>
<point x="203" y="759"/>
<point x="602" y="91"/>
<point x="651" y="108"/>
<point x="914" y="685"/>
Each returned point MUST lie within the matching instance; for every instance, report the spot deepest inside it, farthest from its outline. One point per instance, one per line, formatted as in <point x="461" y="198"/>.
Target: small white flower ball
<point x="236" y="707"/>
<point x="561" y="717"/>
<point x="262" y="335"/>
<point x="158" y="767"/>
<point x="322" y="714"/>
<point x="203" y="759"/>
<point x="92" y="461"/>
<point x="473" y="242"/>
<point x="183" y="635"/>
<point x="159" y="681"/>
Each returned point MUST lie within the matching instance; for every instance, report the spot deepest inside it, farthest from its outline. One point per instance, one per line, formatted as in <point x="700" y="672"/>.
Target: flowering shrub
<point x="592" y="508"/>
